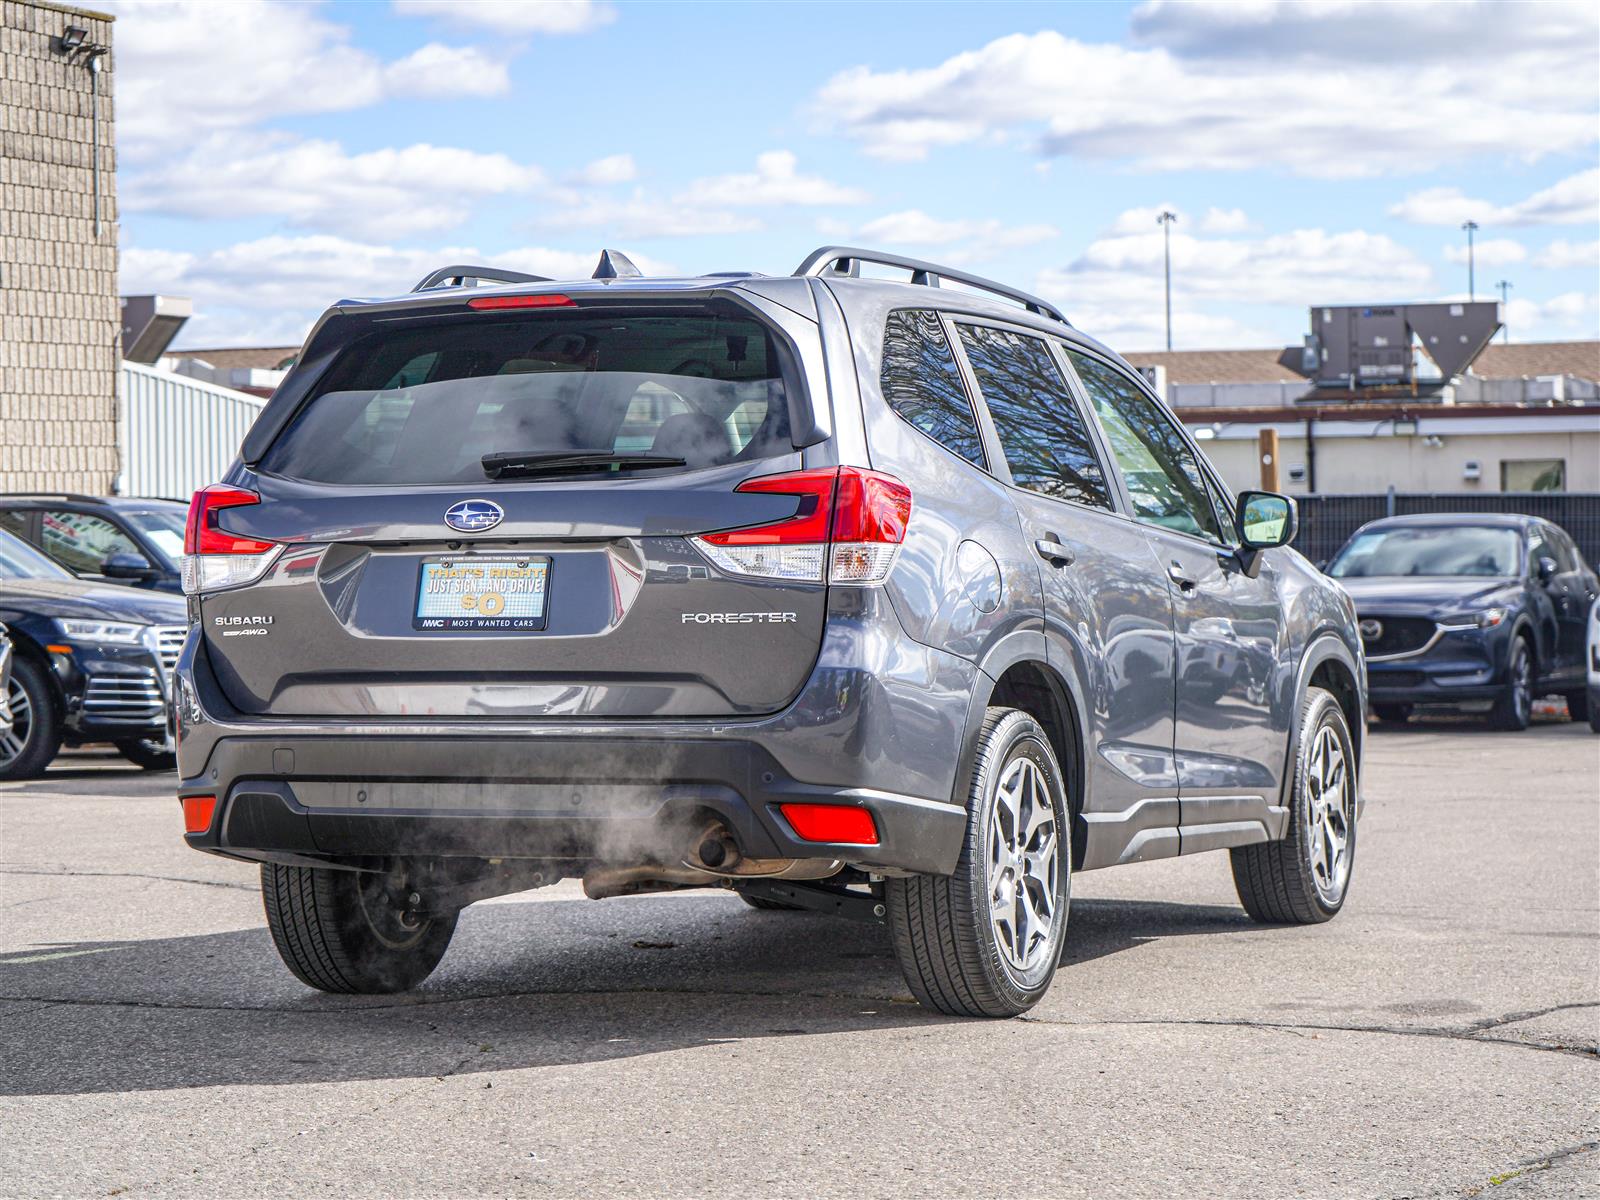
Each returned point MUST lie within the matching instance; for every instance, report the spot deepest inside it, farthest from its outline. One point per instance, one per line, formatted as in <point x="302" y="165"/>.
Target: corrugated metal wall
<point x="177" y="434"/>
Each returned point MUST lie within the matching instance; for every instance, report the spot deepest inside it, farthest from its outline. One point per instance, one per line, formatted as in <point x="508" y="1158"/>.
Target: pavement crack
<point x="1473" y="1033"/>
<point x="243" y="887"/>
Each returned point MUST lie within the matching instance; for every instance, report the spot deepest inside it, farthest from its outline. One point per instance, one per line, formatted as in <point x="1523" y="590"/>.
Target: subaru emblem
<point x="474" y="516"/>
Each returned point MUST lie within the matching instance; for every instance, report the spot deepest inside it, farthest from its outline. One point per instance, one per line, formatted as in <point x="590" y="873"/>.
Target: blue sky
<point x="274" y="157"/>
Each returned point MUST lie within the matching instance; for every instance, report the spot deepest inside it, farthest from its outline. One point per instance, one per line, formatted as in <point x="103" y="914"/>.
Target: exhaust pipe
<point x="713" y="859"/>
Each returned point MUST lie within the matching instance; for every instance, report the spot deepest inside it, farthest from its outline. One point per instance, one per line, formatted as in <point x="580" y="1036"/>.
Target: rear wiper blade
<point x="549" y="462"/>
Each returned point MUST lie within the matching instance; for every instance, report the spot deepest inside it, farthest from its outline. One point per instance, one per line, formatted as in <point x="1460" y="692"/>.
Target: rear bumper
<point x="885" y="738"/>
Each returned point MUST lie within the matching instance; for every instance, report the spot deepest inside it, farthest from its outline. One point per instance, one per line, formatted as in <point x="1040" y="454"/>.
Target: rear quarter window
<point x="423" y="404"/>
<point x="922" y="383"/>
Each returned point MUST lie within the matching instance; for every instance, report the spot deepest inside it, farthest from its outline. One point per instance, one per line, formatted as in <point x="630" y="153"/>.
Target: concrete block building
<point x="59" y="318"/>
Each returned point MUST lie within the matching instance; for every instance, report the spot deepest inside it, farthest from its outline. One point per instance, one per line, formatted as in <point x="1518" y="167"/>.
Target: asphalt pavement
<point x="1439" y="1038"/>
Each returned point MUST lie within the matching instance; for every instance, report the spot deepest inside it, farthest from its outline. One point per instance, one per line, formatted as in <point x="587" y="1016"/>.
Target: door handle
<point x="1052" y="550"/>
<point x="1185" y="584"/>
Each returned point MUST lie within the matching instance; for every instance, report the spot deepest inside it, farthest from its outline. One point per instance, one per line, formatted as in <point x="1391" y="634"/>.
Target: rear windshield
<point x="424" y="403"/>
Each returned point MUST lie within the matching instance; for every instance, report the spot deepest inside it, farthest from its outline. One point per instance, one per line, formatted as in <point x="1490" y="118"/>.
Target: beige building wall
<point x="60" y="322"/>
<point x="1410" y="462"/>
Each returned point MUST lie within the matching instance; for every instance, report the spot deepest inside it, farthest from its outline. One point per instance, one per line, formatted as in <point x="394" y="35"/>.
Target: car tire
<point x="1513" y="707"/>
<point x="147" y="754"/>
<point x="1594" y="709"/>
<point x="1578" y="704"/>
<point x="1392" y="714"/>
<point x="338" y="932"/>
<point x="1303" y="878"/>
<point x="974" y="943"/>
<point x="35" y="735"/>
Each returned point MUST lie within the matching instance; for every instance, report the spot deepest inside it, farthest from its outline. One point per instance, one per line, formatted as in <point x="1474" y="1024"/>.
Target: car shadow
<point x="525" y="984"/>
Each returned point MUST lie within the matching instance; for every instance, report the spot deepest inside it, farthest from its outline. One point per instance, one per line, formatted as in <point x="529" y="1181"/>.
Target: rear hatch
<point x="432" y="556"/>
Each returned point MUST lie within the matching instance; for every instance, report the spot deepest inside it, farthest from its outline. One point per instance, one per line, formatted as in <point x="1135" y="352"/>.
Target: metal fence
<point x="1327" y="521"/>
<point x="178" y="434"/>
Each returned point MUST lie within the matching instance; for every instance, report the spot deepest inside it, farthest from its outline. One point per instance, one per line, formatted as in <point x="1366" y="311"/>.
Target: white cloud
<point x="1561" y="254"/>
<point x="959" y="241"/>
<point x="1114" y="289"/>
<point x="1349" y="116"/>
<point x="602" y="172"/>
<point x="185" y="69"/>
<point x="1146" y="218"/>
<point x="1365" y="30"/>
<point x="775" y="182"/>
<point x="1488" y="252"/>
<point x="513" y="16"/>
<point x="1568" y="315"/>
<point x="268" y="291"/>
<point x="1226" y="220"/>
<point x="315" y="184"/>
<point x="641" y="216"/>
<point x="1575" y="200"/>
<point x="436" y="71"/>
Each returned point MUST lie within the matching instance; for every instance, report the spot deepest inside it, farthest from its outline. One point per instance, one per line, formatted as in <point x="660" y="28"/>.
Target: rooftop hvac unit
<point x="1370" y="346"/>
<point x="149" y="323"/>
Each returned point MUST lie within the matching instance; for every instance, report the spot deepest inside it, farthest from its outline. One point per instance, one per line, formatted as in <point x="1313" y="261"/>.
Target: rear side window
<point x="922" y="383"/>
<point x="1046" y="439"/>
<point x="422" y="404"/>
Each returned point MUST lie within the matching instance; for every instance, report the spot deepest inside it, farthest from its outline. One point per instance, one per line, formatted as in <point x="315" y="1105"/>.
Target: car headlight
<point x="116" y="632"/>
<point x="1486" y="618"/>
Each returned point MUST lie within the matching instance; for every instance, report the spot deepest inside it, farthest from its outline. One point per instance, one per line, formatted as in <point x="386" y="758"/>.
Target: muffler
<point x="712" y="860"/>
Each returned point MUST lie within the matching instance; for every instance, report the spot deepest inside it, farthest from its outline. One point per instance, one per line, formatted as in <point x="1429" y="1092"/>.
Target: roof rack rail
<point x="460" y="274"/>
<point x="847" y="260"/>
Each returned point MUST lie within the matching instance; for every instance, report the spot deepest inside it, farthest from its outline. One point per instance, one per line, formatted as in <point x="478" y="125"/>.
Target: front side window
<point x="425" y="404"/>
<point x="922" y="383"/>
<point x="83" y="542"/>
<point x="1164" y="478"/>
<point x="1046" y="439"/>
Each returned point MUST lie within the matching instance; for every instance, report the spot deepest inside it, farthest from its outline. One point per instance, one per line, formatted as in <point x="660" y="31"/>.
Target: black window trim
<point x="1206" y="468"/>
<point x="991" y="434"/>
<point x="984" y="445"/>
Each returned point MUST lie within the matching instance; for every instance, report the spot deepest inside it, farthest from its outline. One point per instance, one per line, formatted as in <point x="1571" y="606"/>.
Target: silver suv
<point x="894" y="600"/>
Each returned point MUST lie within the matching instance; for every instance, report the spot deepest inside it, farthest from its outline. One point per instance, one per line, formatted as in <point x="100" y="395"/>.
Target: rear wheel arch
<point x="1032" y="686"/>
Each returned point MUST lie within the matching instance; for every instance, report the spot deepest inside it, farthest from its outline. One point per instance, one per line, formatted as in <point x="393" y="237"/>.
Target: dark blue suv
<point x="1469" y="610"/>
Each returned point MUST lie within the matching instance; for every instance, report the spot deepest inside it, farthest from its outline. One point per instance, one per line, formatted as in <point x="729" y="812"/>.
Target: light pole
<point x="1505" y="287"/>
<point x="1472" y="287"/>
<point x="1165" y="220"/>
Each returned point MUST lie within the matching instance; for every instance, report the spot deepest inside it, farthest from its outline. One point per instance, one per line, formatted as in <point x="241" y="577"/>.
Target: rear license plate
<point x="482" y="594"/>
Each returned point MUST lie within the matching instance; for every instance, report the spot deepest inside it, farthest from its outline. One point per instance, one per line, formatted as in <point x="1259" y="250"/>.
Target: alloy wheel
<point x="1522" y="686"/>
<point x="1024" y="865"/>
<point x="1330" y="798"/>
<point x="14" y="743"/>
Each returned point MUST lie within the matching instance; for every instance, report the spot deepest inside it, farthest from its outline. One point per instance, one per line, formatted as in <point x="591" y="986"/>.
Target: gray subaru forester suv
<point x="900" y="601"/>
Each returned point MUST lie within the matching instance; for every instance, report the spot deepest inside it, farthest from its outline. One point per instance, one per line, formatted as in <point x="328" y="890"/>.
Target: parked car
<point x="1592" y="698"/>
<point x="91" y="663"/>
<point x="6" y="722"/>
<point x="1486" y="611"/>
<point x="113" y="539"/>
<point x="881" y="599"/>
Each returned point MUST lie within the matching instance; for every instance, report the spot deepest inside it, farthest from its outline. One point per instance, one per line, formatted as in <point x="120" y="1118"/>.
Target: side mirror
<point x="1546" y="569"/>
<point x="1266" y="519"/>
<point x="127" y="566"/>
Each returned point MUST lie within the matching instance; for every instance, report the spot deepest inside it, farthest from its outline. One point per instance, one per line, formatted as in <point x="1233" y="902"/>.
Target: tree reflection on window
<point x="1045" y="437"/>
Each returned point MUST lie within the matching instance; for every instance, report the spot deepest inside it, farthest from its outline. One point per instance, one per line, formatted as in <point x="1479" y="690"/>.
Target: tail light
<point x="213" y="558"/>
<point x="847" y="528"/>
<point x="197" y="813"/>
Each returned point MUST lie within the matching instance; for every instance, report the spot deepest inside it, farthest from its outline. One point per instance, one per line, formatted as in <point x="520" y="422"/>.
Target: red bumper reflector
<point x="831" y="823"/>
<point x="197" y="813"/>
